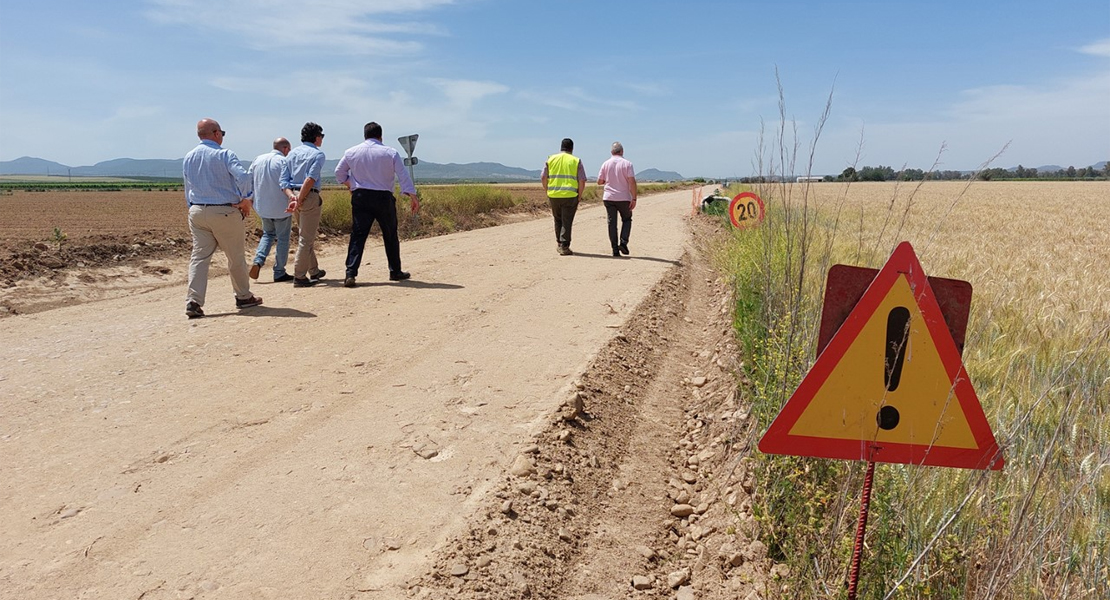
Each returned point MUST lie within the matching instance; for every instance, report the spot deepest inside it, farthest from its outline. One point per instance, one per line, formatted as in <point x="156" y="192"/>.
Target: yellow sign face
<point x="890" y="385"/>
<point x="855" y="391"/>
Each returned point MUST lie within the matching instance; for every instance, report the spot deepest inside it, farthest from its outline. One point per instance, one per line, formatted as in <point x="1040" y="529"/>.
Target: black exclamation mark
<point x="897" y="339"/>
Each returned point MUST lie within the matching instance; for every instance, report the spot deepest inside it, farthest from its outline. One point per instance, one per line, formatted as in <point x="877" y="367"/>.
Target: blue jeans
<point x="275" y="230"/>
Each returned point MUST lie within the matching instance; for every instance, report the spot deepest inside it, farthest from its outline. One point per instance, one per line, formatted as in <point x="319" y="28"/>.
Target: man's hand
<point x="415" y="203"/>
<point x="244" y="207"/>
<point x="293" y="205"/>
<point x="632" y="205"/>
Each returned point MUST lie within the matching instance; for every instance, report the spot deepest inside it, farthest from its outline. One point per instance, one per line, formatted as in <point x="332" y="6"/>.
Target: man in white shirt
<point x="369" y="171"/>
<point x="619" y="178"/>
<point x="272" y="205"/>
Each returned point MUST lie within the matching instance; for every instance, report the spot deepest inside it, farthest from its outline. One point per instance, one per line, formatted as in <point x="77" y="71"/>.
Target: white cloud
<point x="353" y="27"/>
<point x="464" y="93"/>
<point x="1099" y="48"/>
<point x="576" y="99"/>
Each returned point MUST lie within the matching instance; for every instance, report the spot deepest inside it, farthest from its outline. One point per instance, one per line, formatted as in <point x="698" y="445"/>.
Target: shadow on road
<point x="411" y="283"/>
<point x="610" y="257"/>
<point x="265" y="311"/>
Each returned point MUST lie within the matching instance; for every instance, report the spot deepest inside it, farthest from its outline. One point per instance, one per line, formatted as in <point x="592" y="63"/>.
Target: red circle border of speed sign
<point x="746" y="210"/>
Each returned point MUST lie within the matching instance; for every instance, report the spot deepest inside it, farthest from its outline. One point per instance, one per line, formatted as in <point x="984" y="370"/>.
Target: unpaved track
<point x="280" y="451"/>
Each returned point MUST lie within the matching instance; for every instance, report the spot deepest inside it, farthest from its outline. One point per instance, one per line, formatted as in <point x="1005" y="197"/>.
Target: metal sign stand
<point x="861" y="526"/>
<point x="408" y="142"/>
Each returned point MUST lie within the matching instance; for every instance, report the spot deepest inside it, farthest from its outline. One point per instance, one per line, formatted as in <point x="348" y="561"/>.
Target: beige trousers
<point x="308" y="224"/>
<point x="217" y="227"/>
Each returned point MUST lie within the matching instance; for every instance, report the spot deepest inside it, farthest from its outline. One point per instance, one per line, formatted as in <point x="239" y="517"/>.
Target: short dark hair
<point x="372" y="130"/>
<point x="567" y="145"/>
<point x="311" y="131"/>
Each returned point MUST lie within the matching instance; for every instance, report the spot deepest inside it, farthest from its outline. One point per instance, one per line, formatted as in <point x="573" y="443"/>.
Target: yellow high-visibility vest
<point x="562" y="175"/>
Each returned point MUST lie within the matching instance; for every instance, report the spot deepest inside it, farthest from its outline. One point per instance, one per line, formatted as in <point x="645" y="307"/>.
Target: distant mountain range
<point x="171" y="169"/>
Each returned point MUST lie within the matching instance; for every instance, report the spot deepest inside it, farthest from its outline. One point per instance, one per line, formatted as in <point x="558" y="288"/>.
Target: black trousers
<point x="368" y="206"/>
<point x="563" y="209"/>
<point x="613" y="209"/>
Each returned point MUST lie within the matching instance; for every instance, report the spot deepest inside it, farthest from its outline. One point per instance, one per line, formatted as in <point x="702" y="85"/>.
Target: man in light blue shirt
<point x="301" y="181"/>
<point x="274" y="208"/>
<point x="218" y="191"/>
<point x="368" y="170"/>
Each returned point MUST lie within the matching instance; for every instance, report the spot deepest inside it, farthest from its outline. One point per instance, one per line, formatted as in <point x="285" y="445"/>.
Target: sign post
<point x="889" y="385"/>
<point x="408" y="142"/>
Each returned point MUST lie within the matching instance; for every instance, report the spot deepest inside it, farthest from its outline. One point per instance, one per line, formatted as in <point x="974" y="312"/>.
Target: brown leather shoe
<point x="255" y="268"/>
<point x="248" y="302"/>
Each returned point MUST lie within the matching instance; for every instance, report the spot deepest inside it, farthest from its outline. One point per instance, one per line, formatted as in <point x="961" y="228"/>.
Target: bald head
<point x="209" y="129"/>
<point x="282" y="145"/>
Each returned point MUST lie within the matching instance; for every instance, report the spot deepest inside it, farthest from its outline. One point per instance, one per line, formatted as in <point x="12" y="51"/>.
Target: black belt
<point x="297" y="188"/>
<point x="203" y="204"/>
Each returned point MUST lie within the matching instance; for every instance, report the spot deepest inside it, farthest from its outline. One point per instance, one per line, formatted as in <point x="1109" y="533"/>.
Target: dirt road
<point x="320" y="446"/>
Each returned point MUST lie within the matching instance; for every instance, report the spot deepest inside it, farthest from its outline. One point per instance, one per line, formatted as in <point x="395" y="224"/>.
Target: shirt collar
<point x="310" y="145"/>
<point x="373" y="141"/>
<point x="210" y="144"/>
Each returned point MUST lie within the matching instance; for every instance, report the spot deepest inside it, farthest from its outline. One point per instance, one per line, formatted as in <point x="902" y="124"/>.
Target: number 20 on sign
<point x="745" y="210"/>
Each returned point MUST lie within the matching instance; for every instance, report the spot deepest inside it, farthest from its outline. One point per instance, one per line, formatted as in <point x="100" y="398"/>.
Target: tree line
<point x="881" y="173"/>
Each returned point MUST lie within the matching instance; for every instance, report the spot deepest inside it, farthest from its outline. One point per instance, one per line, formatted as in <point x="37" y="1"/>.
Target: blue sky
<point x="686" y="86"/>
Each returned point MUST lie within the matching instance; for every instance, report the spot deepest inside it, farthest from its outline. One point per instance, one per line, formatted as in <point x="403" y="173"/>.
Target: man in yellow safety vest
<point x="564" y="179"/>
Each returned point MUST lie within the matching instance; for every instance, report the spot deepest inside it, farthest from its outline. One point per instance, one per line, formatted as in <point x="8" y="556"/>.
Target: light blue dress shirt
<point x="270" y="201"/>
<point x="303" y="162"/>
<point x="214" y="175"/>
<point x="372" y="165"/>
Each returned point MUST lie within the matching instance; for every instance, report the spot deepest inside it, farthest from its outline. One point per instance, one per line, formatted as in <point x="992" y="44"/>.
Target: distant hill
<point x="657" y="175"/>
<point x="477" y="172"/>
<point x="26" y="165"/>
<point x="171" y="169"/>
<point x="484" y="172"/>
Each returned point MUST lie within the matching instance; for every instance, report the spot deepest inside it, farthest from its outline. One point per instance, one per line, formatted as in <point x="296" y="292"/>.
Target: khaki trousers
<point x="217" y="227"/>
<point x="308" y="225"/>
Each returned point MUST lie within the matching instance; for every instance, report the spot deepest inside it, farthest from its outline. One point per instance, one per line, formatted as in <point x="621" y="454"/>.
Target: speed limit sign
<point x="746" y="210"/>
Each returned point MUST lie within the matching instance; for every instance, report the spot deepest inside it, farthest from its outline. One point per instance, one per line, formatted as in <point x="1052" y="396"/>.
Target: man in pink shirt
<point x="619" y="178"/>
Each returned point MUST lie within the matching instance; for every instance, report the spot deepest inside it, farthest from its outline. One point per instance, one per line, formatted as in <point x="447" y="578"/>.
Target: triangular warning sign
<point x="890" y="386"/>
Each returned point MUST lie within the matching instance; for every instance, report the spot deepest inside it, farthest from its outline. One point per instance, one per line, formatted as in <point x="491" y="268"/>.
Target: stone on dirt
<point x="682" y="510"/>
<point x="679" y="577"/>
<point x="522" y="466"/>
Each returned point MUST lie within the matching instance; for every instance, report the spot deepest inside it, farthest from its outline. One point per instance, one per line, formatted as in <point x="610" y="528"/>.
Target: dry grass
<point x="1038" y="351"/>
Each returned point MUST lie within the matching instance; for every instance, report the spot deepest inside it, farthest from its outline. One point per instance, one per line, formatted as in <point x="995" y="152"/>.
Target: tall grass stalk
<point x="1037" y="351"/>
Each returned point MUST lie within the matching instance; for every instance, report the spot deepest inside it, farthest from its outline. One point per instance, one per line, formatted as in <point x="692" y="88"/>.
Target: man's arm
<point x="581" y="178"/>
<point x="632" y="190"/>
<point x="243" y="182"/>
<point x="543" y="177"/>
<point x="343" y="171"/>
<point x="306" y="189"/>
